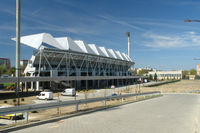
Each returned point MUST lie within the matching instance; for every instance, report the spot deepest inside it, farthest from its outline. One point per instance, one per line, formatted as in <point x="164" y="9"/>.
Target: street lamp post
<point x="188" y="20"/>
<point x="18" y="46"/>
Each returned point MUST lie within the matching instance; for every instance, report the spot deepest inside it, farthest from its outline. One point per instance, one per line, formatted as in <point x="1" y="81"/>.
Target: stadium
<point x="62" y="56"/>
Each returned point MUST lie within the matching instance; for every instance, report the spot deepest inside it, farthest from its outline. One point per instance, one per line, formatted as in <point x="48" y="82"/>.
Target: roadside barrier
<point x="37" y="107"/>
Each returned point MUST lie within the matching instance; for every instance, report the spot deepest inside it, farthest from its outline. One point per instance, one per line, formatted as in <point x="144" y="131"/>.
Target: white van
<point x="45" y="95"/>
<point x="69" y="92"/>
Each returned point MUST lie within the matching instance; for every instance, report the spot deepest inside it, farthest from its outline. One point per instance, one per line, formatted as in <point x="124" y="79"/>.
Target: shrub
<point x="14" y="100"/>
<point x="34" y="112"/>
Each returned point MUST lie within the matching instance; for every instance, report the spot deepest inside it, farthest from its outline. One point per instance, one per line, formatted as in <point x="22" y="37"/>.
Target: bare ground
<point x="183" y="86"/>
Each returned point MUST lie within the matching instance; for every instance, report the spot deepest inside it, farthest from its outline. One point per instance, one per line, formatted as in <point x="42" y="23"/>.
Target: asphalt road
<point x="79" y="96"/>
<point x="172" y="113"/>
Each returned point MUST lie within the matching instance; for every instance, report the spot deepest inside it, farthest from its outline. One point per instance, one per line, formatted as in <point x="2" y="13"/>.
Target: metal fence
<point x="36" y="107"/>
<point x="65" y="78"/>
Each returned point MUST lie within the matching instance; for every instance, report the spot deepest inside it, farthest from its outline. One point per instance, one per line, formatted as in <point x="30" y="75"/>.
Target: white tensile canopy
<point x="38" y="40"/>
<point x="66" y="43"/>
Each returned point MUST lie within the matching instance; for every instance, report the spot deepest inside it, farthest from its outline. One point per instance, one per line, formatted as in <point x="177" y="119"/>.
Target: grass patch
<point x="8" y="84"/>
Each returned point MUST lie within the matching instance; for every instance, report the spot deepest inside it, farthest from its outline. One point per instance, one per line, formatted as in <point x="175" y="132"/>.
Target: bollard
<point x="76" y="107"/>
<point x="122" y="99"/>
<point x="104" y="102"/>
<point x="26" y="116"/>
<point x="135" y="99"/>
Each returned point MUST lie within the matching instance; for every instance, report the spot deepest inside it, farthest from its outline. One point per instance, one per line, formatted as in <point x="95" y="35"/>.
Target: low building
<point x="23" y="63"/>
<point x="5" y="61"/>
<point x="192" y="77"/>
<point x="198" y="69"/>
<point x="143" y="70"/>
<point x="164" y="75"/>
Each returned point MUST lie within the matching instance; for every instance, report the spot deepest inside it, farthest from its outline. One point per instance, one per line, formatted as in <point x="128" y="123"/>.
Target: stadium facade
<point x="63" y="56"/>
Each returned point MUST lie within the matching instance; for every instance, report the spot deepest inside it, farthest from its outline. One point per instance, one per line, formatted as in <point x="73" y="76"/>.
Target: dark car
<point x="114" y="94"/>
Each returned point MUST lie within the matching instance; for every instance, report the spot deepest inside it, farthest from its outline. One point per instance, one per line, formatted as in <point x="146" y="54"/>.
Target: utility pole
<point x="18" y="47"/>
<point x="128" y="34"/>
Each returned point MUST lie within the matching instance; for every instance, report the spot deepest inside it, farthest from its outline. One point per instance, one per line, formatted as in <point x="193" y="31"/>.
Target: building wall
<point x="5" y="61"/>
<point x="164" y="75"/>
<point x="144" y="70"/>
<point x="23" y="63"/>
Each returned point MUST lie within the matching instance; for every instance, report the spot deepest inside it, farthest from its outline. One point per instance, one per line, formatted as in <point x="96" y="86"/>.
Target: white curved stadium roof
<point x="84" y="47"/>
<point x="66" y="43"/>
<point x="104" y="51"/>
<point x="112" y="53"/>
<point x="38" y="40"/>
<point x="119" y="55"/>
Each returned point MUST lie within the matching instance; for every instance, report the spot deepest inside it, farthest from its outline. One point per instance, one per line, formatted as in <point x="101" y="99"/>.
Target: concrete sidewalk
<point x="177" y="113"/>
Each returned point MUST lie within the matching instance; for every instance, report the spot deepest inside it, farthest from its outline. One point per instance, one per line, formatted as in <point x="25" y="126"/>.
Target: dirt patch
<point x="184" y="86"/>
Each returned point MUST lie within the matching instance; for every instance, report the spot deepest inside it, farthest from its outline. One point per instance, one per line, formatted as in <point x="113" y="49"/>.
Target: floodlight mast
<point x="128" y="34"/>
<point x="196" y="59"/>
<point x="18" y="8"/>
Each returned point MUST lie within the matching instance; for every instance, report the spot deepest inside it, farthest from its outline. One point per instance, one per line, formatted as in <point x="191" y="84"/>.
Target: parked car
<point x="45" y="96"/>
<point x="69" y="92"/>
<point x="5" y="76"/>
<point x="16" y="116"/>
<point x="112" y="87"/>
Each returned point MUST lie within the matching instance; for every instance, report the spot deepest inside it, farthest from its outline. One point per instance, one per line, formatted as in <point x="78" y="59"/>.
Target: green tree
<point x="11" y="71"/>
<point x="155" y="77"/>
<point x="141" y="73"/>
<point x="193" y="72"/>
<point x="3" y="69"/>
<point x="185" y="73"/>
<point x="150" y="77"/>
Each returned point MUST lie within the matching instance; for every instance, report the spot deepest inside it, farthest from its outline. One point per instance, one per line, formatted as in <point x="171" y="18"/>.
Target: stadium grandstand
<point x="62" y="56"/>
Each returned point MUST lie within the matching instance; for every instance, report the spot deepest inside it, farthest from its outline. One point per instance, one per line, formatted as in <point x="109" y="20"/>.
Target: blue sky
<point x="159" y="36"/>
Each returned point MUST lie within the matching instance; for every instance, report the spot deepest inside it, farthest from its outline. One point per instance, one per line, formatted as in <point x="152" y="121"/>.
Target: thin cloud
<point x="180" y="3"/>
<point x="54" y="28"/>
<point x="187" y="39"/>
<point x="7" y="44"/>
<point x="36" y="12"/>
<point x="188" y="3"/>
<point x="7" y="11"/>
<point x="72" y="3"/>
<point x="121" y="22"/>
<point x="7" y="28"/>
<point x="149" y="22"/>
